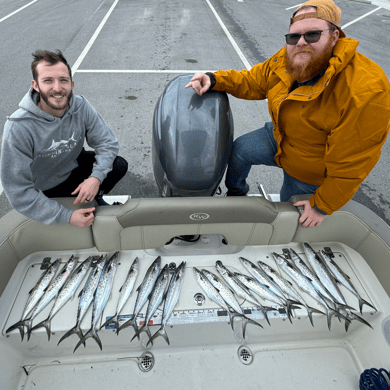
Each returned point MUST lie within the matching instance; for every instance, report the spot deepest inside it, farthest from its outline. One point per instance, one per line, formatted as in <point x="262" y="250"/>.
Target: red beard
<point x="312" y="66"/>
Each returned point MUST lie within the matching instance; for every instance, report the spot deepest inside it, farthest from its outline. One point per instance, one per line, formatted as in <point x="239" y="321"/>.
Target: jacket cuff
<point x="319" y="210"/>
<point x="99" y="175"/>
<point x="212" y="79"/>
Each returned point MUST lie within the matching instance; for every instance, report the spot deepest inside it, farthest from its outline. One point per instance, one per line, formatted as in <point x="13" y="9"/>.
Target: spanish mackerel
<point x="240" y="289"/>
<point x="288" y="288"/>
<point x="344" y="279"/>
<point x="305" y="270"/>
<point x="229" y="297"/>
<point x="86" y="296"/>
<point x="102" y="294"/>
<point x="51" y="292"/>
<point x="144" y="291"/>
<point x="35" y="294"/>
<point x="263" y="278"/>
<point x="333" y="269"/>
<point x="154" y="301"/>
<point x="260" y="289"/>
<point x="171" y="299"/>
<point x="304" y="283"/>
<point x="325" y="276"/>
<point x="124" y="292"/>
<point x="67" y="292"/>
<point x="213" y="293"/>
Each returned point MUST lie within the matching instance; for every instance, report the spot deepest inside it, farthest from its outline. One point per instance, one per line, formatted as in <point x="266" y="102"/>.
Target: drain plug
<point x="199" y="299"/>
<point x="146" y="362"/>
<point x="245" y="355"/>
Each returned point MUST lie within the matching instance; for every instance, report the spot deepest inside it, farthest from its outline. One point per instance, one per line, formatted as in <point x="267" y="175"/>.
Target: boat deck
<point x="204" y="351"/>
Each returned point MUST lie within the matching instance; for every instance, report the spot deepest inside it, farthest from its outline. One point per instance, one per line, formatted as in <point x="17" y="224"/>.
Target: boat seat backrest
<point x="21" y="236"/>
<point x="152" y="222"/>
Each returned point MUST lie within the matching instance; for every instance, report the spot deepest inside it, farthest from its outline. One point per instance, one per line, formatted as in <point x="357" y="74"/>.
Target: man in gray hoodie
<point x="42" y="151"/>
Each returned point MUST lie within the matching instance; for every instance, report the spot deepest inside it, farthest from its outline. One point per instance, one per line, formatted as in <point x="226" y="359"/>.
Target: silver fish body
<point x="35" y="295"/>
<point x="125" y="292"/>
<point x="226" y="293"/>
<point x="171" y="299"/>
<point x="260" y="289"/>
<point x="67" y="291"/>
<point x="304" y="283"/>
<point x="240" y="289"/>
<point x="102" y="294"/>
<point x="324" y="275"/>
<point x="144" y="291"/>
<point x="305" y="270"/>
<point x="261" y="276"/>
<point x="51" y="292"/>
<point x="344" y="279"/>
<point x="86" y="296"/>
<point x="155" y="300"/>
<point x="229" y="297"/>
<point x="289" y="289"/>
<point x="212" y="292"/>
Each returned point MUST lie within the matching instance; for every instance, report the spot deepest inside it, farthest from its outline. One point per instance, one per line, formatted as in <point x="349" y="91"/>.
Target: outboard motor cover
<point x="192" y="140"/>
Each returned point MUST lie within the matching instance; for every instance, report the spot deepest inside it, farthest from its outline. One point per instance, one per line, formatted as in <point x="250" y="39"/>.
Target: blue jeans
<point x="259" y="148"/>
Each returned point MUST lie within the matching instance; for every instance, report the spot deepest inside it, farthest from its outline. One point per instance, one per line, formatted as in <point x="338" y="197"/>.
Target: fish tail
<point x="75" y="330"/>
<point x="352" y="316"/>
<point x="160" y="332"/>
<point x="331" y="312"/>
<point x="288" y="310"/>
<point x="91" y="333"/>
<point x="126" y="324"/>
<point x="245" y="321"/>
<point x="113" y="319"/>
<point x="264" y="311"/>
<point x="141" y="329"/>
<point x="45" y="324"/>
<point x="344" y="306"/>
<point x="364" y="302"/>
<point x="18" y="325"/>
<point x="310" y="311"/>
<point x="148" y="333"/>
<point x="27" y="324"/>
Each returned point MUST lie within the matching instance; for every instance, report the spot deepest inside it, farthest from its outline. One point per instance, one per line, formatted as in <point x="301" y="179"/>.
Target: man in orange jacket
<point x="330" y="110"/>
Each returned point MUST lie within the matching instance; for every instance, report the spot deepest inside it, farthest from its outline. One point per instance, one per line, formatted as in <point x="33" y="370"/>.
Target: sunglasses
<point x="310" y="37"/>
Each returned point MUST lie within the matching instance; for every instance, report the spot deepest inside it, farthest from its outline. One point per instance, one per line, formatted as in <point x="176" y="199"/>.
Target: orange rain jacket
<point x="329" y="134"/>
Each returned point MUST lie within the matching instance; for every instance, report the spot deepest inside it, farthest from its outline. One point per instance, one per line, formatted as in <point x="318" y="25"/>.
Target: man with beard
<point x="42" y="151"/>
<point x="330" y="110"/>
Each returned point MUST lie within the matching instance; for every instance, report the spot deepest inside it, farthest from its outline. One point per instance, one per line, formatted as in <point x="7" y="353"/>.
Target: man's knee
<point x="120" y="165"/>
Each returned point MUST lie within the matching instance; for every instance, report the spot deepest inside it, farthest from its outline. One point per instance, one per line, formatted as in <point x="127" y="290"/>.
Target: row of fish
<point x="97" y="291"/>
<point x="161" y="286"/>
<point x="320" y="281"/>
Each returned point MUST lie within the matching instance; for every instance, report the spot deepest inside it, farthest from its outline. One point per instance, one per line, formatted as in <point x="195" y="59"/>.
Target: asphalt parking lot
<point x="123" y="53"/>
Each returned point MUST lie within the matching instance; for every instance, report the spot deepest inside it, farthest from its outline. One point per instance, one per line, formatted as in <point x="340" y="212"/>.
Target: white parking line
<point x="232" y="41"/>
<point x="92" y="40"/>
<point x="294" y="6"/>
<point x="139" y="71"/>
<point x="361" y="17"/>
<point x="18" y="10"/>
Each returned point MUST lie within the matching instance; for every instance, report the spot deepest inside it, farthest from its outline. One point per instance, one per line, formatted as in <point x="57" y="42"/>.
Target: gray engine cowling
<point x="192" y="140"/>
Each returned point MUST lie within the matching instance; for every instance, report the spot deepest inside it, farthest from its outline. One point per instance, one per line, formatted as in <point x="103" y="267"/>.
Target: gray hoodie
<point x="39" y="151"/>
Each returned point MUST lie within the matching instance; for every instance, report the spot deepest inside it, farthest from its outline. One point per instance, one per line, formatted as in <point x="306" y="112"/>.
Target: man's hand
<point x="310" y="217"/>
<point x="87" y="190"/>
<point x="200" y="83"/>
<point x="82" y="217"/>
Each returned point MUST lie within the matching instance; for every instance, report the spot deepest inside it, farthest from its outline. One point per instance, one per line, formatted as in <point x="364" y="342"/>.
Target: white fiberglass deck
<point x="204" y="350"/>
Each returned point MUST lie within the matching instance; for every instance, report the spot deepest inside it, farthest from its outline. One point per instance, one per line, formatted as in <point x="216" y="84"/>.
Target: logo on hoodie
<point x="57" y="148"/>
